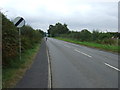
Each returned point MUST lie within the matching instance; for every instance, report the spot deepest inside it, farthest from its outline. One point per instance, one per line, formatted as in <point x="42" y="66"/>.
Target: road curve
<point x="76" y="66"/>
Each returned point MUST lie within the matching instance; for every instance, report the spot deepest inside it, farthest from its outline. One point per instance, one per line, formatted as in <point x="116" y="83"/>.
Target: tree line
<point x="10" y="40"/>
<point x="59" y="30"/>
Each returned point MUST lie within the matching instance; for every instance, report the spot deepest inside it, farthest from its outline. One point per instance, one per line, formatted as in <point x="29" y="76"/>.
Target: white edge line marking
<point x="67" y="46"/>
<point x="83" y="53"/>
<point x="112" y="66"/>
<point x="72" y="44"/>
<point x="49" y="72"/>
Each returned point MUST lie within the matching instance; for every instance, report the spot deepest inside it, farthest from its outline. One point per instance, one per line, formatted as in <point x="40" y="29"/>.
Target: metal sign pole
<point x="20" y="43"/>
<point x="19" y="22"/>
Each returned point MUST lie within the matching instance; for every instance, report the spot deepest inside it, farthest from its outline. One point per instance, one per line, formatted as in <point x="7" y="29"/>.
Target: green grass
<point x="112" y="48"/>
<point x="13" y="74"/>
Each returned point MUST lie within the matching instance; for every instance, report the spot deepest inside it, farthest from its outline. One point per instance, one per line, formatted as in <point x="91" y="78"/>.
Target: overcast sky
<point x="78" y="15"/>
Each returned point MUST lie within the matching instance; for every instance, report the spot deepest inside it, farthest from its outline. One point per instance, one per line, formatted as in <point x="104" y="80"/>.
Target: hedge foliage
<point x="10" y="40"/>
<point x="95" y="36"/>
<point x="59" y="30"/>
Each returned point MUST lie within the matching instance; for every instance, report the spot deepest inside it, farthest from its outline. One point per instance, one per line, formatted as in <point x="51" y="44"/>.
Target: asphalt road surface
<point x="76" y="66"/>
<point x="37" y="75"/>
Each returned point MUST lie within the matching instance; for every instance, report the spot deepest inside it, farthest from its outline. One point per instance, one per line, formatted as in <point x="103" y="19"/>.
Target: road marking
<point x="67" y="46"/>
<point x="49" y="71"/>
<point x="72" y="44"/>
<point x="82" y="53"/>
<point x="112" y="66"/>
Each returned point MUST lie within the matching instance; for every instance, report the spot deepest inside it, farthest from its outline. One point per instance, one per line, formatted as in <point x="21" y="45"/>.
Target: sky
<point x="99" y="15"/>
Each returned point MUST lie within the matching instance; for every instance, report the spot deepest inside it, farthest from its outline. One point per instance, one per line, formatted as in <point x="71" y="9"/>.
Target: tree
<point x="95" y="35"/>
<point x="57" y="30"/>
<point x="85" y="35"/>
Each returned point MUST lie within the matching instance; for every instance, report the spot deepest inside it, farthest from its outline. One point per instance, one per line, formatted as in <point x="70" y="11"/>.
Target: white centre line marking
<point x="112" y="66"/>
<point x="82" y="53"/>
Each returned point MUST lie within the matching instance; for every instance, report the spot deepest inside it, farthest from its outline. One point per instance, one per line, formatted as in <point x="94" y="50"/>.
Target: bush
<point x="109" y="41"/>
<point x="10" y="41"/>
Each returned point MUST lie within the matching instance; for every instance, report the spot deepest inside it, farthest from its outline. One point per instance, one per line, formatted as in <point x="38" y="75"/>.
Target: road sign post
<point x="20" y="42"/>
<point x="19" y="22"/>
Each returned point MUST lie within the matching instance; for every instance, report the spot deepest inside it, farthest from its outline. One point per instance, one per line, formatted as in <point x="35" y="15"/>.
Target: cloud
<point x="77" y="15"/>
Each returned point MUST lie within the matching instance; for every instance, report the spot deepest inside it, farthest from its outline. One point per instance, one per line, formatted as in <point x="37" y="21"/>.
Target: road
<point x="76" y="66"/>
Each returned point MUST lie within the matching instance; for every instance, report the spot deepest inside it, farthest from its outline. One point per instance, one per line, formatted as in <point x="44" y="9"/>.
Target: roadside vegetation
<point x="103" y="40"/>
<point x="14" y="73"/>
<point x="12" y="67"/>
<point x="112" y="48"/>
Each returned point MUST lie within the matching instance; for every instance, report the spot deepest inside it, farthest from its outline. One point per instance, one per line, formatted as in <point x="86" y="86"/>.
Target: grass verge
<point x="111" y="48"/>
<point x="10" y="76"/>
